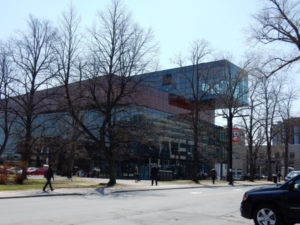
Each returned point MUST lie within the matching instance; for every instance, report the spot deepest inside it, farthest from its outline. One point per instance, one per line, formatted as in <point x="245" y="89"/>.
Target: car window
<point x="293" y="174"/>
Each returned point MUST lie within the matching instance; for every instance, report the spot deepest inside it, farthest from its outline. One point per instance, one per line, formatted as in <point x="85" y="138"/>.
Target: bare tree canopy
<point x="33" y="58"/>
<point x="67" y="49"/>
<point x="286" y="104"/>
<point x="279" y="22"/>
<point x="270" y="91"/>
<point x="196" y="93"/>
<point x="118" y="49"/>
<point x="5" y="80"/>
<point x="232" y="91"/>
<point x="251" y="123"/>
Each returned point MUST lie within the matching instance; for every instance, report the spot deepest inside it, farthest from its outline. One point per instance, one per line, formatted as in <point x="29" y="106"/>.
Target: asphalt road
<point x="203" y="206"/>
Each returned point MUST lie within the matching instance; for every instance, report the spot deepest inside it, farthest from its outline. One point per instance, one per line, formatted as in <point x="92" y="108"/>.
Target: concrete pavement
<point x="198" y="206"/>
<point x="122" y="186"/>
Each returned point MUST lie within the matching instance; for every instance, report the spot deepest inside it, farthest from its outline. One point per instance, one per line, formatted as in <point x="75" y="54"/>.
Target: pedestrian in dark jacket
<point x="136" y="174"/>
<point x="278" y="176"/>
<point x="213" y="174"/>
<point x="230" y="177"/>
<point x="154" y="175"/>
<point x="48" y="175"/>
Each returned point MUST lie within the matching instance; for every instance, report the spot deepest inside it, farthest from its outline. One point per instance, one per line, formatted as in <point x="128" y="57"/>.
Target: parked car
<point x="263" y="177"/>
<point x="81" y="173"/>
<point x="40" y="171"/>
<point x="276" y="204"/>
<point x="14" y="170"/>
<point x="291" y="174"/>
<point x="31" y="170"/>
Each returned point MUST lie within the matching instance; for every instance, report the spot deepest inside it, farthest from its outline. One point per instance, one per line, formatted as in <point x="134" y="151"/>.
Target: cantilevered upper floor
<point x="206" y="82"/>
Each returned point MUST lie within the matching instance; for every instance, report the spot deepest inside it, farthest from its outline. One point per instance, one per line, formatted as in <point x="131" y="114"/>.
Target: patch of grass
<point x="39" y="183"/>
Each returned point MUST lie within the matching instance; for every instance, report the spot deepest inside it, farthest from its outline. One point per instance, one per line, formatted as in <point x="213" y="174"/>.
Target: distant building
<point x="239" y="157"/>
<point x="278" y="148"/>
<point x="293" y="127"/>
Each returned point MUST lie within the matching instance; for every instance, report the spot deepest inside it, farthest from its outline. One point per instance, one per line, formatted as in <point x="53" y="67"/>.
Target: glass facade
<point x="160" y="115"/>
<point x="205" y="81"/>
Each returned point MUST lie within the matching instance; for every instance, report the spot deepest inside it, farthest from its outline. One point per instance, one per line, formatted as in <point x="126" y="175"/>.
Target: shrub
<point x="3" y="178"/>
<point x="2" y="170"/>
<point x="19" y="179"/>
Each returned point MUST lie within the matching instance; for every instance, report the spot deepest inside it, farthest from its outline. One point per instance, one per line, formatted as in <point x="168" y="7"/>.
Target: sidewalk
<point x="122" y="186"/>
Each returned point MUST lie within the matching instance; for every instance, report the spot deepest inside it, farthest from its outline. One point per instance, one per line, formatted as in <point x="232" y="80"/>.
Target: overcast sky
<point x="176" y="23"/>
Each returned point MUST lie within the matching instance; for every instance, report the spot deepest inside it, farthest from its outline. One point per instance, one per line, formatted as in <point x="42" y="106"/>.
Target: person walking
<point x="136" y="174"/>
<point x="213" y="174"/>
<point x="278" y="176"/>
<point x="70" y="174"/>
<point x="154" y="175"/>
<point x="48" y="175"/>
<point x="230" y="177"/>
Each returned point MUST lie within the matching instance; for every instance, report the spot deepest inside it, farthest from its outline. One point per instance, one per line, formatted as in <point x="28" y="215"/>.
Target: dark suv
<point x="276" y="205"/>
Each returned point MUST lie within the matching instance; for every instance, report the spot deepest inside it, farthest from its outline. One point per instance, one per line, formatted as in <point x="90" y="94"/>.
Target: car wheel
<point x="267" y="215"/>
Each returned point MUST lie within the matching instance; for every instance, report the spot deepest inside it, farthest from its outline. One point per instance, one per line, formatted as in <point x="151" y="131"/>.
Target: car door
<point x="293" y="201"/>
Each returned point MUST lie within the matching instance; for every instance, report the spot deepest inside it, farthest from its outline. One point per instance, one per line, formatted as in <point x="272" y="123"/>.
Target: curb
<point x="37" y="196"/>
<point x="132" y="190"/>
<point x="181" y="188"/>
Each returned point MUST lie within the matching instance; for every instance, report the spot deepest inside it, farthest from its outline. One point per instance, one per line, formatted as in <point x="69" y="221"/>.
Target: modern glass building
<point x="158" y="123"/>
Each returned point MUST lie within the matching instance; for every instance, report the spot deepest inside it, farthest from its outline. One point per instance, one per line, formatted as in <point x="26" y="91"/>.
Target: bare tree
<point x="197" y="88"/>
<point x="285" y="109"/>
<point x="72" y="142"/>
<point x="5" y="80"/>
<point x="68" y="47"/>
<point x="69" y="66"/>
<point x="119" y="49"/>
<point x="231" y="89"/>
<point x="270" y="91"/>
<point x="279" y="22"/>
<point x="252" y="123"/>
<point x="32" y="54"/>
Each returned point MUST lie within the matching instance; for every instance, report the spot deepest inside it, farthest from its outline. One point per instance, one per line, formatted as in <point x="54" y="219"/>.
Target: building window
<point x="296" y="135"/>
<point x="167" y="79"/>
<point x="174" y="148"/>
<point x="165" y="152"/>
<point x="292" y="155"/>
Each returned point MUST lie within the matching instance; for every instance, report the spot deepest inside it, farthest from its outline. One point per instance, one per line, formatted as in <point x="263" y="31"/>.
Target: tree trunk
<point x="269" y="161"/>
<point x="196" y="144"/>
<point x="251" y="158"/>
<point x="196" y="165"/>
<point x="112" y="172"/>
<point x="286" y="152"/>
<point x="110" y="156"/>
<point x="26" y="153"/>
